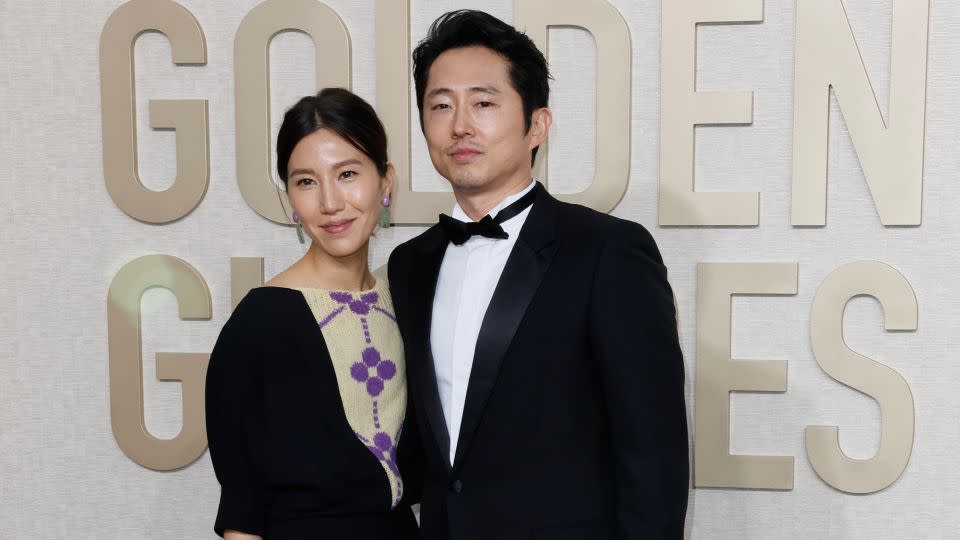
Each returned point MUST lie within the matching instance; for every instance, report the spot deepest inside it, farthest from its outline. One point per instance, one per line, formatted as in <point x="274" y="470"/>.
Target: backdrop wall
<point x="62" y="472"/>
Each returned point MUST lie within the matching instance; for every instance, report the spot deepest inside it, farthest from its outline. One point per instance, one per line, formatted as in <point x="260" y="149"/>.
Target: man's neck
<point x="477" y="203"/>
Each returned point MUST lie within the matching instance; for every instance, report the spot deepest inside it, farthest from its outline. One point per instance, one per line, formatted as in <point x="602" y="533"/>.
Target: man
<point x="542" y="352"/>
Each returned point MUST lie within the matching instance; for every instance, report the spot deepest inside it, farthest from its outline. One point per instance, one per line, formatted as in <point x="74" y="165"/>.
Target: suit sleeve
<point x="633" y="334"/>
<point x="235" y="419"/>
<point x="410" y="456"/>
<point x="409" y="449"/>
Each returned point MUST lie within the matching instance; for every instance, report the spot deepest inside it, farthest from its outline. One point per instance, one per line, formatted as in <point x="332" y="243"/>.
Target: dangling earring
<point x="385" y="211"/>
<point x="299" y="227"/>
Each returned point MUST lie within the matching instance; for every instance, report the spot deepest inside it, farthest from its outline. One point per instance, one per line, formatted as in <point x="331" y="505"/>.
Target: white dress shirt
<point x="468" y="276"/>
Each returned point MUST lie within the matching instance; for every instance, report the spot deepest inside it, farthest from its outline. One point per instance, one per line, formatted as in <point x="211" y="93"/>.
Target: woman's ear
<point x="386" y="189"/>
<point x="388" y="179"/>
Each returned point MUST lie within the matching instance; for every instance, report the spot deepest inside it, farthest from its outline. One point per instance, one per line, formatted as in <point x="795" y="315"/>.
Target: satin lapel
<point x="426" y="269"/>
<point x="528" y="262"/>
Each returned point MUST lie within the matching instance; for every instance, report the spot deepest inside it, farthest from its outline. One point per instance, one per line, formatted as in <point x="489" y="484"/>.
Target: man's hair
<point x="528" y="70"/>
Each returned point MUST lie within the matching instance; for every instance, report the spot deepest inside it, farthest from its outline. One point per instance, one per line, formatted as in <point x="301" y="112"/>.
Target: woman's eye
<point x="304" y="181"/>
<point x="346" y="175"/>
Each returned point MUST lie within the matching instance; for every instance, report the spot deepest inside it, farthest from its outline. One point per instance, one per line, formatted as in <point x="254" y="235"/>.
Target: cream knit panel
<point x="367" y="353"/>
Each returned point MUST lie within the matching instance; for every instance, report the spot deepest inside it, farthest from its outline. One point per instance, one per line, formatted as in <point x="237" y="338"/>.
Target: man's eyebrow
<point x="473" y="89"/>
<point x="438" y="91"/>
<point x="485" y="89"/>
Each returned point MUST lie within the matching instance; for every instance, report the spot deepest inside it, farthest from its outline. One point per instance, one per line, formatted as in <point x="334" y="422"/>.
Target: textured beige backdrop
<point x="61" y="472"/>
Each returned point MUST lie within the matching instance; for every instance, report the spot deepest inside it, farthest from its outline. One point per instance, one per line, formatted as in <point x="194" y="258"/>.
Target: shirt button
<point x="456" y="486"/>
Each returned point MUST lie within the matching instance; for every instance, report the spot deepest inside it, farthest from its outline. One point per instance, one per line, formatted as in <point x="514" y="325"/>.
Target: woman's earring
<point x="299" y="227"/>
<point x="385" y="211"/>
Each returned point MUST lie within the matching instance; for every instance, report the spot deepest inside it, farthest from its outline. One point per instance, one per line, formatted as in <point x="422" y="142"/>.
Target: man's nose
<point x="462" y="123"/>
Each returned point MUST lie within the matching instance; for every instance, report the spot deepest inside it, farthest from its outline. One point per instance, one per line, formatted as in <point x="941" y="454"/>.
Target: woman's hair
<point x="342" y="112"/>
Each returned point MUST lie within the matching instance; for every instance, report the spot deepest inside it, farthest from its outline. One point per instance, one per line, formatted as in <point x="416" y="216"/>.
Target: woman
<point x="306" y="393"/>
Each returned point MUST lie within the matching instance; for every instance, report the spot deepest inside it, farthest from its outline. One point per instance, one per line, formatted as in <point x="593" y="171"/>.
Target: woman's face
<point x="337" y="191"/>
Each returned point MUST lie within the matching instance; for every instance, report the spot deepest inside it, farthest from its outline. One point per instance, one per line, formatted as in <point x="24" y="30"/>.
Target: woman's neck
<point x="350" y="273"/>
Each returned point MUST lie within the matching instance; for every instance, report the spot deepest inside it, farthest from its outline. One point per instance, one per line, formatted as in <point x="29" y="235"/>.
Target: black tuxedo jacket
<point x="574" y="425"/>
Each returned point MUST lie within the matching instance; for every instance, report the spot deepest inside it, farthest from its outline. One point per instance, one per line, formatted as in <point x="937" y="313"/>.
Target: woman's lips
<point x="337" y="227"/>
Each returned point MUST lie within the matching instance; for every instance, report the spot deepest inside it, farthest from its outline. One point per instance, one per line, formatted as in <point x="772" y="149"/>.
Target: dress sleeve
<point x="235" y="420"/>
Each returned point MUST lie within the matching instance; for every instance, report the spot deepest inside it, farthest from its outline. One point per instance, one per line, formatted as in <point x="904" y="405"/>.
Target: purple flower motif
<point x="359" y="372"/>
<point x="374" y="386"/>
<point x="341" y="297"/>
<point x="383" y="441"/>
<point x="359" y="306"/>
<point x="371" y="356"/>
<point x="386" y="370"/>
<point x="383" y="370"/>
<point x="384" y="449"/>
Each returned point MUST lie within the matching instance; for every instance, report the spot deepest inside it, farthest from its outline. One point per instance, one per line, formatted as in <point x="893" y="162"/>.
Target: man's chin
<point x="467" y="181"/>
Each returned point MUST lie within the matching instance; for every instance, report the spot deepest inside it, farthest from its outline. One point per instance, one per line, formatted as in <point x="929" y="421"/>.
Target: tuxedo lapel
<point x="426" y="269"/>
<point x="522" y="274"/>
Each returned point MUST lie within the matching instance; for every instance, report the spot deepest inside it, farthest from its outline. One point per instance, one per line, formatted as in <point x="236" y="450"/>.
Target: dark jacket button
<point x="456" y="486"/>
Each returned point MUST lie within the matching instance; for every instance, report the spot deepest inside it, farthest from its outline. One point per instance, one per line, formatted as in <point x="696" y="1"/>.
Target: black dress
<point x="289" y="463"/>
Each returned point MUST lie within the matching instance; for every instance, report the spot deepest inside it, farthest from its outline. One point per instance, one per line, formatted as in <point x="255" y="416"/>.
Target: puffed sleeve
<point x="235" y="420"/>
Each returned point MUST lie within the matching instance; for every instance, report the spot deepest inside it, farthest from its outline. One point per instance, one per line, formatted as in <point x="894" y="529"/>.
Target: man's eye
<point x="439" y="106"/>
<point x="485" y="104"/>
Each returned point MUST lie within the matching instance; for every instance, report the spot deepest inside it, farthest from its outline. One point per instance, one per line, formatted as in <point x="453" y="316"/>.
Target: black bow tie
<point x="459" y="232"/>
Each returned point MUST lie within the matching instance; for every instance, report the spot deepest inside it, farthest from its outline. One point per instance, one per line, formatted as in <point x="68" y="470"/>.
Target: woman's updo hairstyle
<point x="342" y="112"/>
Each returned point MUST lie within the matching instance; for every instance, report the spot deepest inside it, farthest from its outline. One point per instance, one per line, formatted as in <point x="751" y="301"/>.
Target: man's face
<point x="473" y="121"/>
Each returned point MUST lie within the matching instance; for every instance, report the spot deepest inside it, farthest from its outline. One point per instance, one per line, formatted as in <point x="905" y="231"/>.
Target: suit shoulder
<point x="615" y="237"/>
<point x="404" y="250"/>
<point x="599" y="223"/>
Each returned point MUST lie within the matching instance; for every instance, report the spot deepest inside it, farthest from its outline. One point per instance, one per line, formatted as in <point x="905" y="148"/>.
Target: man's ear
<point x="540" y="122"/>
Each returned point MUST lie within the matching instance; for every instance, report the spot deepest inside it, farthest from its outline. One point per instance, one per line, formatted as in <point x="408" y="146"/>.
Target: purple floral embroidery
<point x="385" y="450"/>
<point x="383" y="370"/>
<point x="373" y="371"/>
<point x="359" y="306"/>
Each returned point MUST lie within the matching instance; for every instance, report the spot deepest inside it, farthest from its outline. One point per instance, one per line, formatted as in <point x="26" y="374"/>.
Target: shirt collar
<point x="462" y="216"/>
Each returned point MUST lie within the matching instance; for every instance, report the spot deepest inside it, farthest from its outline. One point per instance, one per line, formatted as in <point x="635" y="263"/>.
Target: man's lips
<point x="337" y="227"/>
<point x="464" y="155"/>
